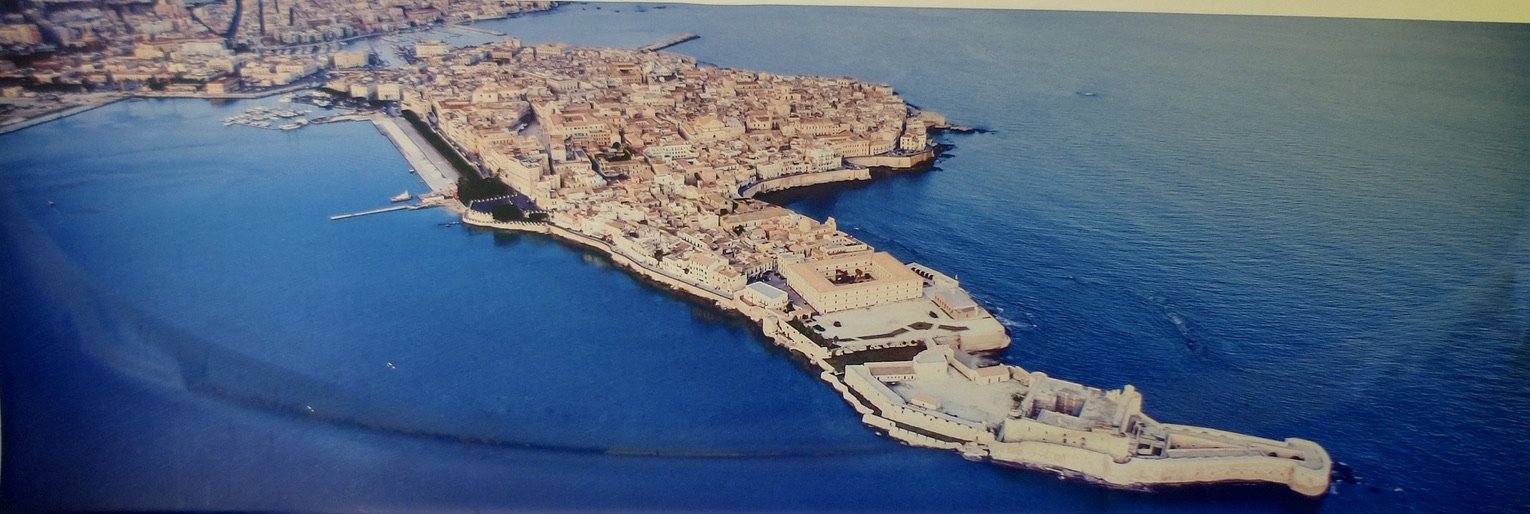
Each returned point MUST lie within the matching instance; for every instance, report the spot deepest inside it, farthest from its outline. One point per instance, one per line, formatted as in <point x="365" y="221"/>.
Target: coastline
<point x="1039" y="422"/>
<point x="923" y="425"/>
<point x="105" y="99"/>
<point x="59" y="114"/>
<point x="427" y="164"/>
<point x="248" y="95"/>
<point x="1303" y="466"/>
<point x="907" y="352"/>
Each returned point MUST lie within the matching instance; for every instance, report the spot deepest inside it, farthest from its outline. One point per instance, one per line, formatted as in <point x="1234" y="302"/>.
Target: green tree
<point x="507" y="212"/>
<point x="471" y="188"/>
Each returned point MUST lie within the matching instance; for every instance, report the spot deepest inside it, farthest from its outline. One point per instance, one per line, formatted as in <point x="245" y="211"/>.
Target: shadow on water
<point x="819" y="199"/>
<point x="124" y="338"/>
<point x="700" y="309"/>
<point x="506" y="238"/>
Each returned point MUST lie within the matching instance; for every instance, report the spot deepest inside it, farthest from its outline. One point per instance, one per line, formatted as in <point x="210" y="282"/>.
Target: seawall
<point x="56" y="115"/>
<point x="895" y="162"/>
<point x="1142" y="474"/>
<point x="479" y="219"/>
<point x="428" y="164"/>
<point x="918" y="428"/>
<point x="805" y="179"/>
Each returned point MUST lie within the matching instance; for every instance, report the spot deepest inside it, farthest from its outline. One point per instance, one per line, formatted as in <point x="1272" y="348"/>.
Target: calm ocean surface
<point x="1286" y="227"/>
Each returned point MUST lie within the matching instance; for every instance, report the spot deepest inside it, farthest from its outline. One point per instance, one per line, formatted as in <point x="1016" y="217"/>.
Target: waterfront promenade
<point x="482" y="220"/>
<point x="432" y="168"/>
<point x="95" y="100"/>
<point x="98" y="100"/>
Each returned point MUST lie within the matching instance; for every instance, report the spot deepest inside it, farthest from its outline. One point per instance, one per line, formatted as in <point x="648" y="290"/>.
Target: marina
<point x="264" y="117"/>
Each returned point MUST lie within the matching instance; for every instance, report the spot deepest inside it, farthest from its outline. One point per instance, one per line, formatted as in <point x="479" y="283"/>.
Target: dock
<point x="669" y="42"/>
<point x="494" y="33"/>
<point x="431" y="166"/>
<point x="374" y="211"/>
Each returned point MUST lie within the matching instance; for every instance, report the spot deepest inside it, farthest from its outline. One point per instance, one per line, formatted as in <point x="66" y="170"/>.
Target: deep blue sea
<point x="1286" y="227"/>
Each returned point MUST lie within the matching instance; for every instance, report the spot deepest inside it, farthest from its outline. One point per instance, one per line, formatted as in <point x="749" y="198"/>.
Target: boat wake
<point x="1017" y="326"/>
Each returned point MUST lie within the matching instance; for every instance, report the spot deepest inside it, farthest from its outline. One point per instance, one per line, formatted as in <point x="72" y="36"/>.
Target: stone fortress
<point x="944" y="398"/>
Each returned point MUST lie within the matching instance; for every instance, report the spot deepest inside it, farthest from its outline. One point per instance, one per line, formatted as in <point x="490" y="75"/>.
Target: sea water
<point x="1285" y="227"/>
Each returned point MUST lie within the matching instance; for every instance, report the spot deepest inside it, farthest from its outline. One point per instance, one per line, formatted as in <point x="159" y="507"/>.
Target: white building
<point x="853" y="281"/>
<point x="760" y="294"/>
<point x="431" y="48"/>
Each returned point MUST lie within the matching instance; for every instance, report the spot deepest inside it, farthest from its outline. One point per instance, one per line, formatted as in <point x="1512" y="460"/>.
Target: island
<point x="653" y="159"/>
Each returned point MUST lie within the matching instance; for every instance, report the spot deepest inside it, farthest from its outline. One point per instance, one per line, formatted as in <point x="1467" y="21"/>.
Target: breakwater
<point x="59" y="114"/>
<point x="897" y="162"/>
<point x="660" y="45"/>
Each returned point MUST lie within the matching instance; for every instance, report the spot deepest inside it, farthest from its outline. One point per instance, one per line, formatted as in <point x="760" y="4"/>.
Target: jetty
<point x="374" y="211"/>
<point x="471" y="28"/>
<point x="669" y="42"/>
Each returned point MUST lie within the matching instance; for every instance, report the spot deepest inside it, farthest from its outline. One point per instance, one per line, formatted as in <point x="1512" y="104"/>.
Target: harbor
<point x="264" y="117"/>
<point x="424" y="161"/>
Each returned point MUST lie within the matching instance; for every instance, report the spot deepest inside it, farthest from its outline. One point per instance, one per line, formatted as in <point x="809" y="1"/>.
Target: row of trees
<point x="470" y="186"/>
<point x="509" y="212"/>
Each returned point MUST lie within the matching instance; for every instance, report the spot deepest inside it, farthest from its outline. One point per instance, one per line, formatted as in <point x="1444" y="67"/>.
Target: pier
<point x="669" y="42"/>
<point x="471" y="28"/>
<point x="375" y="211"/>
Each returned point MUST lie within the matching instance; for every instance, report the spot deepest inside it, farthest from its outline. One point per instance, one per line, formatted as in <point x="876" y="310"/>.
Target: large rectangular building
<point x="853" y="281"/>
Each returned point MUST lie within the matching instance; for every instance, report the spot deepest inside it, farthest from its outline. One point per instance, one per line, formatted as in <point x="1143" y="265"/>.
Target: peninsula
<point x="652" y="158"/>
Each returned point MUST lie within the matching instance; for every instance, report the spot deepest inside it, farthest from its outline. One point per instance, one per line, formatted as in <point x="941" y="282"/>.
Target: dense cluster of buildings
<point x="271" y="23"/>
<point x="208" y="46"/>
<point x="649" y="156"/>
<point x="654" y="157"/>
<point x="650" y="151"/>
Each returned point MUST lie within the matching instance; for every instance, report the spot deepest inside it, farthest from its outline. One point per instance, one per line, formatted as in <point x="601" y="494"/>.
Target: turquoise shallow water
<point x="1311" y="228"/>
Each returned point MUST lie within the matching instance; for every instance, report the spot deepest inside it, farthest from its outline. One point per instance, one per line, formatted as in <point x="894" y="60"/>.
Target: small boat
<point x="391" y="366"/>
<point x="51" y="204"/>
<point x="401" y="197"/>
